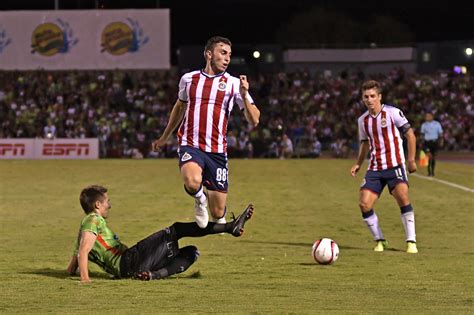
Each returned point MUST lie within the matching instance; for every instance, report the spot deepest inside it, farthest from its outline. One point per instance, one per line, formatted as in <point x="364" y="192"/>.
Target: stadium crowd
<point x="302" y="113"/>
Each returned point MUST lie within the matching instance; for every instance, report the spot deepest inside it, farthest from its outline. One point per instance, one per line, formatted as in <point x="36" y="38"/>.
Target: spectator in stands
<point x="231" y="144"/>
<point x="130" y="108"/>
<point x="315" y="150"/>
<point x="49" y="131"/>
<point x="339" y="149"/>
<point x="286" y="147"/>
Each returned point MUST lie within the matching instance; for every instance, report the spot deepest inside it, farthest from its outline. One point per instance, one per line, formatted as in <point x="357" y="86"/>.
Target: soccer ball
<point x="325" y="251"/>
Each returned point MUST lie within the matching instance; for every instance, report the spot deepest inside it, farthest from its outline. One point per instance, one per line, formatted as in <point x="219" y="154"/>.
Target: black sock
<point x="186" y="257"/>
<point x="191" y="229"/>
<point x="433" y="162"/>
<point x="193" y="193"/>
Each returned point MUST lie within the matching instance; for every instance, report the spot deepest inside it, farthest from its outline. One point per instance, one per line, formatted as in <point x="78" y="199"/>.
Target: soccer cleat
<point x="239" y="222"/>
<point x="144" y="276"/>
<point x="411" y="248"/>
<point x="200" y="212"/>
<point x="381" y="246"/>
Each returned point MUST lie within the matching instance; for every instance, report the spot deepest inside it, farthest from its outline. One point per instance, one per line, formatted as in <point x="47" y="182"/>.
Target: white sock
<point x="408" y="220"/>
<point x="373" y="225"/>
<point x="200" y="195"/>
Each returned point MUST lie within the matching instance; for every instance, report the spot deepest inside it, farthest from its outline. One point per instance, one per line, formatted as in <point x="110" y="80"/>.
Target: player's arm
<point x="176" y="116"/>
<point x="440" y="135"/>
<point x="411" y="144"/>
<point x="404" y="126"/>
<point x="73" y="264"/>
<point x="251" y="111"/>
<point x="363" y="150"/>
<point x="85" y="246"/>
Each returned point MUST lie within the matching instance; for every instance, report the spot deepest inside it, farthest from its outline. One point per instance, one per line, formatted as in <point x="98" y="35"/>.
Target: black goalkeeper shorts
<point x="150" y="254"/>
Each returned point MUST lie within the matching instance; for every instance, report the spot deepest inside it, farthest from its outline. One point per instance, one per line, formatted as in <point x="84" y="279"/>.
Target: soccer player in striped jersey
<point x="379" y="133"/>
<point x="205" y="99"/>
<point x="155" y="257"/>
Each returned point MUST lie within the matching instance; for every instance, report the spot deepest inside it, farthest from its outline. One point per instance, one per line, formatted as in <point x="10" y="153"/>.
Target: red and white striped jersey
<point x="386" y="144"/>
<point x="210" y="100"/>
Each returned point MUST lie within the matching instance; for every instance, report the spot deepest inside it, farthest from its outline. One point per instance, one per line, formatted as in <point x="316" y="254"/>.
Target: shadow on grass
<point x="62" y="274"/>
<point x="312" y="264"/>
<point x="394" y="250"/>
<point x="298" y="244"/>
<point x="194" y="275"/>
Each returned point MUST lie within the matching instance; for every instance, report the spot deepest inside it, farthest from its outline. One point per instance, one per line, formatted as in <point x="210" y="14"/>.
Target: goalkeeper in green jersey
<point x="155" y="257"/>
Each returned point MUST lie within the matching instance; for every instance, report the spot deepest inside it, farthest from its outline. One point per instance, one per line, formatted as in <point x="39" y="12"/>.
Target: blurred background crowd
<point x="303" y="114"/>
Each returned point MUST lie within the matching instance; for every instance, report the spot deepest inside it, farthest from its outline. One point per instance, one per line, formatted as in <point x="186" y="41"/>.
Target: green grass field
<point x="268" y="269"/>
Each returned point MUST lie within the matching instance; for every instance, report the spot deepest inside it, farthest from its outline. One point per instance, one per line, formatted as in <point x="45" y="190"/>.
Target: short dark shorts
<point x="376" y="181"/>
<point x="150" y="254"/>
<point x="430" y="147"/>
<point x="215" y="172"/>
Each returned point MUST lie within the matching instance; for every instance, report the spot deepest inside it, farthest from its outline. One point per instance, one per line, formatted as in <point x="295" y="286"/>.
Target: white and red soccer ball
<point x="325" y="251"/>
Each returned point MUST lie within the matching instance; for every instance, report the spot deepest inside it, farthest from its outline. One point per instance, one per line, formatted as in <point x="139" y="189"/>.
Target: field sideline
<point x="268" y="269"/>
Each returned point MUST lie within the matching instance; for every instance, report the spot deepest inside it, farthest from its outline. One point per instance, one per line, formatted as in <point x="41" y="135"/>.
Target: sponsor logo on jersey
<point x="186" y="157"/>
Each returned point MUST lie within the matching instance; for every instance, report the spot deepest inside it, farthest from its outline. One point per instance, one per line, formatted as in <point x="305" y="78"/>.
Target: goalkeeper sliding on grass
<point x="155" y="257"/>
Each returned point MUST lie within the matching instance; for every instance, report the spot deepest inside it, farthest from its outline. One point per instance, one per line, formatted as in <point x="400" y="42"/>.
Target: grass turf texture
<point x="268" y="269"/>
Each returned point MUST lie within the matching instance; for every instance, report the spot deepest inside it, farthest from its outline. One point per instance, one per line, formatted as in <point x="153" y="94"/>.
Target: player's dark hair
<point x="372" y="84"/>
<point x="215" y="40"/>
<point x="90" y="195"/>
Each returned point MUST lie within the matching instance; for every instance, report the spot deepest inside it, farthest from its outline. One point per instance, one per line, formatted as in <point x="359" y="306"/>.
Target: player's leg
<point x="191" y="167"/>
<point x="221" y="202"/>
<point x="427" y="149"/>
<point x="432" y="164"/>
<point x="400" y="193"/>
<point x="434" y="150"/>
<point x="217" y="205"/>
<point x="366" y="202"/>
<point x="215" y="178"/>
<point x="179" y="263"/>
<point x="158" y="256"/>
<point x="370" y="191"/>
<point x="235" y="227"/>
<point x="192" y="177"/>
<point x="191" y="173"/>
<point x="151" y="253"/>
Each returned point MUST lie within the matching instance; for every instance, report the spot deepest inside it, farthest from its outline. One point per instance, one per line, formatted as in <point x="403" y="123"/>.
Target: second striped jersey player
<point x="380" y="131"/>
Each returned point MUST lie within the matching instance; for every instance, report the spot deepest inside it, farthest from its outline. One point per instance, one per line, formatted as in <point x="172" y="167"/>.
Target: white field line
<point x="444" y="182"/>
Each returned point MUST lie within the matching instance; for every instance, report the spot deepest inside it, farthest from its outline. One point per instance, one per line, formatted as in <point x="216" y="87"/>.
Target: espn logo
<point x="65" y="149"/>
<point x="17" y="149"/>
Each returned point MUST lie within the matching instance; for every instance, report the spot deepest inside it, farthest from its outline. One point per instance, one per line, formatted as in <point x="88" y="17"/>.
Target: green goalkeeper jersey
<point x="107" y="250"/>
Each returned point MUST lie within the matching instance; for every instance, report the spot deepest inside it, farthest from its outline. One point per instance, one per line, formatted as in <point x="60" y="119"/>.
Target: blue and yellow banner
<point x="93" y="39"/>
